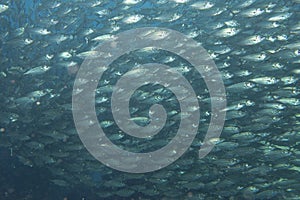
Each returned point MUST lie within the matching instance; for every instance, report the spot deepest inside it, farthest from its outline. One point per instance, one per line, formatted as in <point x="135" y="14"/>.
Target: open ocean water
<point x="251" y="57"/>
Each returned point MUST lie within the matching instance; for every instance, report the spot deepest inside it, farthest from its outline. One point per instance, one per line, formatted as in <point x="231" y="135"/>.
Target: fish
<point x="132" y="19"/>
<point x="252" y="40"/>
<point x="265" y="80"/>
<point x="3" y="8"/>
<point x="203" y="5"/>
<point x="38" y="70"/>
<point x="227" y="32"/>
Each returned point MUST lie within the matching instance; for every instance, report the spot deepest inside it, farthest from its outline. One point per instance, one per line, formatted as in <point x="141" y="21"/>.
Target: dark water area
<point x="45" y="45"/>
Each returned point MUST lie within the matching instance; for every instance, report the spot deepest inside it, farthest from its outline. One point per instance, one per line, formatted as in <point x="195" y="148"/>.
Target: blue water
<point x="38" y="140"/>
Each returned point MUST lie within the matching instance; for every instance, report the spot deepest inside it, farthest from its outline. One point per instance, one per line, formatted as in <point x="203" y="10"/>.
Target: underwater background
<point x="256" y="46"/>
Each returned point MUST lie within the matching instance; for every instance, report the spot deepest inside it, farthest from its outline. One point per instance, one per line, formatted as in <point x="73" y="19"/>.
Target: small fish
<point x="227" y="32"/>
<point x="246" y="4"/>
<point x="91" y="54"/>
<point x="106" y="124"/>
<point x="38" y="70"/>
<point x="39" y="93"/>
<point x="97" y="3"/>
<point x="231" y="23"/>
<point x="107" y="37"/>
<point x="290" y="101"/>
<point x="265" y="80"/>
<point x="203" y="5"/>
<point x="287" y="80"/>
<point x="268" y="25"/>
<point x="293" y="45"/>
<point x="280" y="17"/>
<point x="65" y="55"/>
<point x="131" y="2"/>
<point x="156" y="35"/>
<point x="28" y="41"/>
<point x="256" y="57"/>
<point x="132" y="19"/>
<point x="140" y="120"/>
<point x="252" y="12"/>
<point x="3" y="8"/>
<point x="41" y="31"/>
<point x="243" y="73"/>
<point x="181" y="1"/>
<point x="274" y="105"/>
<point x="252" y="40"/>
<point x="239" y="87"/>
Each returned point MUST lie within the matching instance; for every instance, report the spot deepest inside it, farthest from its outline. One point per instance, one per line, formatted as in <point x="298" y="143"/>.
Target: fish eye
<point x="249" y="85"/>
